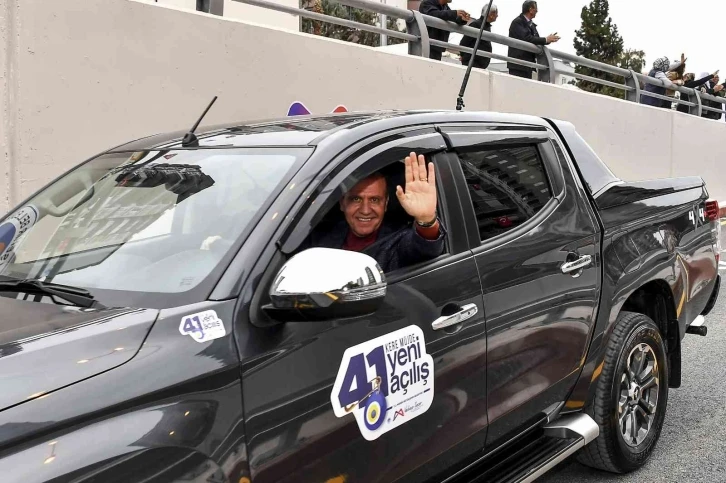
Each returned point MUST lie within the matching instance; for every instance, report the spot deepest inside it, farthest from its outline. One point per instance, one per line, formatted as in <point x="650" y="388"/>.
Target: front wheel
<point x="630" y="397"/>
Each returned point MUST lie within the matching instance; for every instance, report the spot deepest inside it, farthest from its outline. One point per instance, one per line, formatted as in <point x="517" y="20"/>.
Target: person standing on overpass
<point x="440" y="9"/>
<point x="485" y="45"/>
<point x="523" y="28"/>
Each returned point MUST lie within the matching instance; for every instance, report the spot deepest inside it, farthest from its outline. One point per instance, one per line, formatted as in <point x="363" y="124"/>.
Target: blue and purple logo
<point x="7" y="235"/>
<point x="299" y="109"/>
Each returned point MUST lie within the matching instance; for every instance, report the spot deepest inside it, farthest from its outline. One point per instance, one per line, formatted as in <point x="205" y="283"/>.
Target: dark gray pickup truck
<point x="165" y="317"/>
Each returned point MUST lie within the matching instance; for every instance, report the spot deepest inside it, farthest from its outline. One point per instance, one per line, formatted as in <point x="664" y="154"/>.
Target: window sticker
<point x="13" y="228"/>
<point x="385" y="382"/>
<point x="202" y="327"/>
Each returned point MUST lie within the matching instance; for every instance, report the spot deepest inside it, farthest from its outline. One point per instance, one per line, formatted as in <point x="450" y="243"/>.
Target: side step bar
<point x="560" y="439"/>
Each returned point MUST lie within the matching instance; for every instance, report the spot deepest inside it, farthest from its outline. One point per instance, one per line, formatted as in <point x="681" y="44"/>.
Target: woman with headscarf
<point x="659" y="71"/>
<point x="691" y="82"/>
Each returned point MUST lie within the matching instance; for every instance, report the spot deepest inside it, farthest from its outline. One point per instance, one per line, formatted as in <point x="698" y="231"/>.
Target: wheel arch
<point x="655" y="300"/>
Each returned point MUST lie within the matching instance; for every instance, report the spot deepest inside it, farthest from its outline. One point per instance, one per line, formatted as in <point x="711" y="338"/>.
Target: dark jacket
<point x="654" y="101"/>
<point x="395" y="247"/>
<point x="523" y="29"/>
<point x="693" y="84"/>
<point x="434" y="9"/>
<point x="708" y="88"/>
<point x="479" y="62"/>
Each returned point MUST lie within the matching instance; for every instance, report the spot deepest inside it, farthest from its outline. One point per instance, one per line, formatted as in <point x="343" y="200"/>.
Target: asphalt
<point x="692" y="445"/>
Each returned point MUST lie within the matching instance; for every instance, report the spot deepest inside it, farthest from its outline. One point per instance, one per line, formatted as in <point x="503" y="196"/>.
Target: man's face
<point x="493" y="16"/>
<point x="533" y="11"/>
<point x="365" y="205"/>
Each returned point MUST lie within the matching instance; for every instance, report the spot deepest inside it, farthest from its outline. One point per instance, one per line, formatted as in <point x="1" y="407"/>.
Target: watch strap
<point x="429" y="224"/>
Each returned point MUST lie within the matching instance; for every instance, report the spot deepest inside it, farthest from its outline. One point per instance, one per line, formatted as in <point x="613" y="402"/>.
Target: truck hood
<point x="44" y="347"/>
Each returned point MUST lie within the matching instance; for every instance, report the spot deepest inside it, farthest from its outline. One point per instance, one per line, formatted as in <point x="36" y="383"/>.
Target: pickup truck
<point x="165" y="319"/>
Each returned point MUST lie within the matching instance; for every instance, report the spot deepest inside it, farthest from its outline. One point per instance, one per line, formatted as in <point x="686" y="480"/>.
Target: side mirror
<point x="325" y="283"/>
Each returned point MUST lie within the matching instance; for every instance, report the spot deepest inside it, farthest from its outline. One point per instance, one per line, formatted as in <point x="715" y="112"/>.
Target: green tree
<point x="633" y="59"/>
<point x="598" y="39"/>
<point x="348" y="34"/>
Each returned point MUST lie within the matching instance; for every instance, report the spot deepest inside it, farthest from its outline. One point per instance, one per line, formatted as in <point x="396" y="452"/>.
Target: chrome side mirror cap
<point x="325" y="283"/>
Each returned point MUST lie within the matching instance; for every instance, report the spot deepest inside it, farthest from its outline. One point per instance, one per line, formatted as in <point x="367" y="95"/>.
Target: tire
<point x="635" y="338"/>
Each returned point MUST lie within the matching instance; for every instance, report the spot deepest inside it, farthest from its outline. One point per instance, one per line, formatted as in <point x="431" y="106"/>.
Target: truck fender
<point x="156" y="443"/>
<point x="622" y="299"/>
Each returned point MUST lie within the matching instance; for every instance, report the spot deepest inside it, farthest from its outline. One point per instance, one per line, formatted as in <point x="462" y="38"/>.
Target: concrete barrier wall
<point x="634" y="140"/>
<point x="79" y="77"/>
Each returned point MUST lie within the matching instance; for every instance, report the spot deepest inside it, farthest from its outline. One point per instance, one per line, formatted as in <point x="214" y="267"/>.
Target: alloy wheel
<point x="639" y="388"/>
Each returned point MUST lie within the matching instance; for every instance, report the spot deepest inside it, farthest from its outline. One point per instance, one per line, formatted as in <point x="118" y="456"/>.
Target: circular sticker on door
<point x="385" y="382"/>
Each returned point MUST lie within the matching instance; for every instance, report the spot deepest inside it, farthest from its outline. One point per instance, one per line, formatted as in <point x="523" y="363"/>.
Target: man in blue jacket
<point x="523" y="28"/>
<point x="440" y="9"/>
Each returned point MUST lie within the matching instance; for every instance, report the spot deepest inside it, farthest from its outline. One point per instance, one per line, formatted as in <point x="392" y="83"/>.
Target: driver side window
<point x="366" y="215"/>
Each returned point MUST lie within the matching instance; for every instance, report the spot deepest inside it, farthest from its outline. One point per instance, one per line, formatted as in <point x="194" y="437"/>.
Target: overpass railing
<point x="420" y="44"/>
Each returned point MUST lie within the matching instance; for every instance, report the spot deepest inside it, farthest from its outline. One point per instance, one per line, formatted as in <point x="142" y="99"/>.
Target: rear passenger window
<point x="508" y="186"/>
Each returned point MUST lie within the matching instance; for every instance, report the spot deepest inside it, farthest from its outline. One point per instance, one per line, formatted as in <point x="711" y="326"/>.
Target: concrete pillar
<point x="8" y="63"/>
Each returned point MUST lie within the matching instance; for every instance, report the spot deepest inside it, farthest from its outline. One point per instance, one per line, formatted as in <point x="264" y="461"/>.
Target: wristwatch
<point x="428" y="225"/>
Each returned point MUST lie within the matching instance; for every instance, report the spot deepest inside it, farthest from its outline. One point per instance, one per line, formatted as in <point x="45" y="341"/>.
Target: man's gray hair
<point x="493" y="9"/>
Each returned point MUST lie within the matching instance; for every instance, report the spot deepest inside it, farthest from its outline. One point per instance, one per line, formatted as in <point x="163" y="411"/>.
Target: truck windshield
<point x="145" y="223"/>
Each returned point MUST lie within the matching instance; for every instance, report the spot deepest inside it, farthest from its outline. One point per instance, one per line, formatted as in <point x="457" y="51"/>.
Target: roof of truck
<point x="312" y="130"/>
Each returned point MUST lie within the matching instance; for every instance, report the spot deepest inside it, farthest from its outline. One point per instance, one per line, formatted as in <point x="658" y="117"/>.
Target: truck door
<point x="536" y="245"/>
<point x="292" y="370"/>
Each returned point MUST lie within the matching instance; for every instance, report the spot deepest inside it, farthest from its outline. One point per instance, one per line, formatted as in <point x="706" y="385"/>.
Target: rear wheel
<point x="630" y="397"/>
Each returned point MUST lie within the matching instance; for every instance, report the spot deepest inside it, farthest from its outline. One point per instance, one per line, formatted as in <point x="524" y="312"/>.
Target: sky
<point x="664" y="28"/>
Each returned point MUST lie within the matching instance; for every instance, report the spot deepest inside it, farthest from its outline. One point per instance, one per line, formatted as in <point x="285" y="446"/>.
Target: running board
<point x="561" y="438"/>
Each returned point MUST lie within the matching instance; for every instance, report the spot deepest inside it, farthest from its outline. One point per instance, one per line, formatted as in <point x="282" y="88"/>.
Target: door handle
<point x="578" y="264"/>
<point x="466" y="312"/>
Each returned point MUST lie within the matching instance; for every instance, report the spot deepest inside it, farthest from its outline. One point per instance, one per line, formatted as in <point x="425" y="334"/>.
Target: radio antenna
<point x="190" y="139"/>
<point x="460" y="99"/>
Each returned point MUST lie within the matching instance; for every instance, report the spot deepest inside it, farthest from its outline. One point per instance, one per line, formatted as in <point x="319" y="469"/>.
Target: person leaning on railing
<point x="659" y="71"/>
<point x="440" y="9"/>
<point x="466" y="41"/>
<point x="690" y="81"/>
<point x="676" y="77"/>
<point x="712" y="88"/>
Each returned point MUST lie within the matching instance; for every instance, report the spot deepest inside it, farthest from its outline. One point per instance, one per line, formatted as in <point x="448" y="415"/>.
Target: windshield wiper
<point x="75" y="295"/>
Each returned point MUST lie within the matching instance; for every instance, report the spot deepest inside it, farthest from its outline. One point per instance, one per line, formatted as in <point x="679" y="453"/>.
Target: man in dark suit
<point x="480" y="62"/>
<point x="440" y="9"/>
<point x="524" y="29"/>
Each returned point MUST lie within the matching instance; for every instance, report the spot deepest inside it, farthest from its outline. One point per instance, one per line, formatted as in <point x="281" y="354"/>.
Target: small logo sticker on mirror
<point x="385" y="382"/>
<point x="203" y="327"/>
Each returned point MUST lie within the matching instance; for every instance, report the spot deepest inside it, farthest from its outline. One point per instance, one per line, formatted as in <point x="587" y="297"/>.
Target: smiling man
<point x="365" y="229"/>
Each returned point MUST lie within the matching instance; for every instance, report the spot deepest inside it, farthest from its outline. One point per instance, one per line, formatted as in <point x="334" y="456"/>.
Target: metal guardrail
<point x="420" y="44"/>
